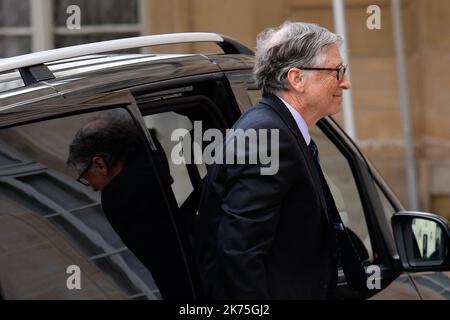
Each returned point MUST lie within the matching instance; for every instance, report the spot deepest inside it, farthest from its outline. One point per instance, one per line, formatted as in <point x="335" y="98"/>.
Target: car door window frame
<point x="372" y="205"/>
<point x="216" y="116"/>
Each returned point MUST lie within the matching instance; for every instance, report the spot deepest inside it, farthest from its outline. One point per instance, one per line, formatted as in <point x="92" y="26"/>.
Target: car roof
<point x="114" y="72"/>
<point x="68" y="70"/>
<point x="228" y="45"/>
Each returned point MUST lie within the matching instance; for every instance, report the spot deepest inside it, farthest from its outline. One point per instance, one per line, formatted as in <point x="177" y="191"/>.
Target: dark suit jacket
<point x="266" y="236"/>
<point x="134" y="205"/>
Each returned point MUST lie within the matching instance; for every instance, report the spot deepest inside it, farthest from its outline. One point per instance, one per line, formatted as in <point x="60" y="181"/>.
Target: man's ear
<point x="296" y="79"/>
<point x="101" y="165"/>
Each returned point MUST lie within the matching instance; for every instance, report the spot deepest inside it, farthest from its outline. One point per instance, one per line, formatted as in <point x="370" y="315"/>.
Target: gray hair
<point x="112" y="134"/>
<point x="292" y="44"/>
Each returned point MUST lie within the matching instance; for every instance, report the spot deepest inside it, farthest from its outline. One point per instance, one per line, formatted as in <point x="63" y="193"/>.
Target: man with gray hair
<point x="280" y="236"/>
<point x="111" y="157"/>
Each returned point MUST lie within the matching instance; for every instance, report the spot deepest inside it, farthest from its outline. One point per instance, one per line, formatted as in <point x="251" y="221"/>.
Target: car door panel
<point x="432" y="285"/>
<point x="402" y="288"/>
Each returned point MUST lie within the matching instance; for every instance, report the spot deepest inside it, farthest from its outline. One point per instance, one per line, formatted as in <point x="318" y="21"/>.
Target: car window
<point x="388" y="208"/>
<point x="50" y="223"/>
<point x="341" y="181"/>
<point x="163" y="125"/>
<point x="255" y="96"/>
<point x="178" y="129"/>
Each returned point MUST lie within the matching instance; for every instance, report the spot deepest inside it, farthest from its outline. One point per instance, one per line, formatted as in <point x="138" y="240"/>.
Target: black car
<point x="55" y="242"/>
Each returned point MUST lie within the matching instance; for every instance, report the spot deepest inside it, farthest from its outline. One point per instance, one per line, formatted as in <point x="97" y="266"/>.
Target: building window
<point x="100" y="20"/>
<point x="33" y="25"/>
<point x="15" y="30"/>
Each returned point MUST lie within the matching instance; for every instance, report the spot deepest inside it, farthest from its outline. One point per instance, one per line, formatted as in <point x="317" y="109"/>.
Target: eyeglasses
<point x="81" y="178"/>
<point x="339" y="71"/>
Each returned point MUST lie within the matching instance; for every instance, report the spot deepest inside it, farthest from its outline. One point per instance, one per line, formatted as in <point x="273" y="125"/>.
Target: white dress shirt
<point x="300" y="122"/>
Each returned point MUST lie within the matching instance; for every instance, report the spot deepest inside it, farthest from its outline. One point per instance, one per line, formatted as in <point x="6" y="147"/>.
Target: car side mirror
<point x="423" y="240"/>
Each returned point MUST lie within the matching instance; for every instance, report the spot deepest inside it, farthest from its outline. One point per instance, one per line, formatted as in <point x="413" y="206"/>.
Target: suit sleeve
<point x="251" y="207"/>
<point x="137" y="212"/>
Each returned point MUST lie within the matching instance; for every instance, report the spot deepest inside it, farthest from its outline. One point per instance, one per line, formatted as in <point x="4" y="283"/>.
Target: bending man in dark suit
<point x="111" y="158"/>
<point x="273" y="236"/>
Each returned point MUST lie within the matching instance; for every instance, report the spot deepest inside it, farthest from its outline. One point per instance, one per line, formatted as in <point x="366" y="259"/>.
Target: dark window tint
<point x="49" y="221"/>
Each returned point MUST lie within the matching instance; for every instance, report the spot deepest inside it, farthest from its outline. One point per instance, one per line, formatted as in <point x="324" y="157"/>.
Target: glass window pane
<point x="98" y="11"/>
<point x="388" y="208"/>
<point x="342" y="184"/>
<point x="14" y="13"/>
<point x="162" y="126"/>
<point x="5" y="159"/>
<point x="255" y="96"/>
<point x="44" y="209"/>
<point x="94" y="218"/>
<point x="25" y="200"/>
<point x="429" y="243"/>
<point x="112" y="267"/>
<point x="16" y="46"/>
<point x="77" y="235"/>
<point x="148" y="286"/>
<point x="55" y="190"/>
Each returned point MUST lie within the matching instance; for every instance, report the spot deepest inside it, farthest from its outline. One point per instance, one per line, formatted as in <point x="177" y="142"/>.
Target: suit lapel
<point x="285" y="115"/>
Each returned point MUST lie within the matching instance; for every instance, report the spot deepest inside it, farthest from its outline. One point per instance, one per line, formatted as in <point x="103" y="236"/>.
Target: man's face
<point x="97" y="175"/>
<point x="323" y="92"/>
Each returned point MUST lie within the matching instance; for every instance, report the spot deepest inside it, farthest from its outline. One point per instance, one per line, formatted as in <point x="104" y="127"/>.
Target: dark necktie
<point x="351" y="263"/>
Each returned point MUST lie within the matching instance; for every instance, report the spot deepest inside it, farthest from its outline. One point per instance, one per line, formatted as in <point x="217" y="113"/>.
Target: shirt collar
<point x="301" y="124"/>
